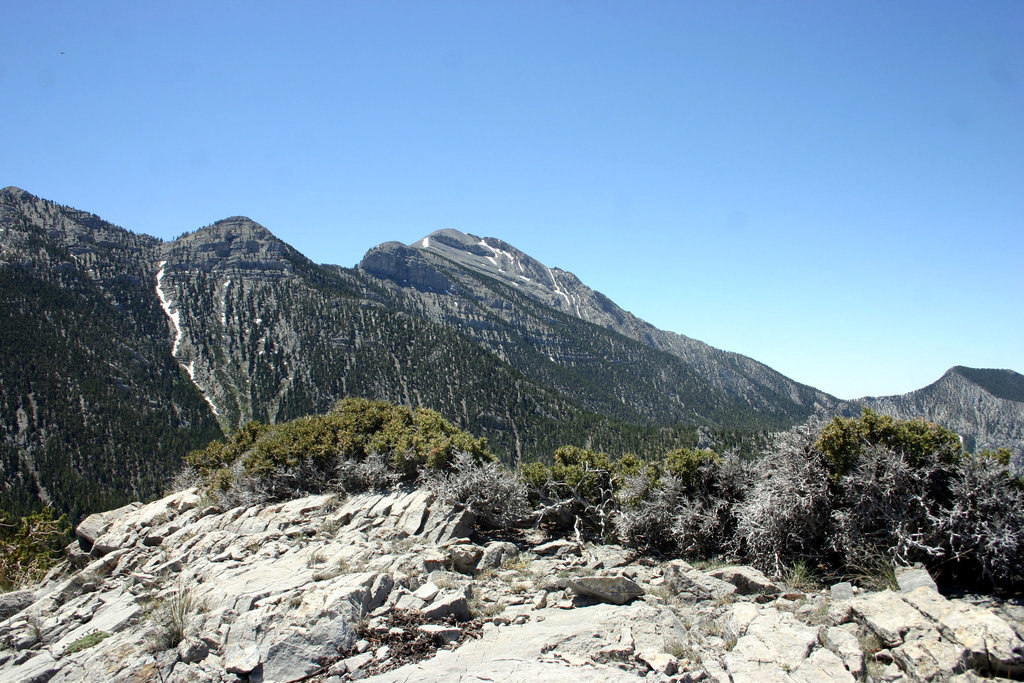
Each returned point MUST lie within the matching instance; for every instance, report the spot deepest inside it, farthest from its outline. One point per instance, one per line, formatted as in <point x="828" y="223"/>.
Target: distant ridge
<point x="119" y="352"/>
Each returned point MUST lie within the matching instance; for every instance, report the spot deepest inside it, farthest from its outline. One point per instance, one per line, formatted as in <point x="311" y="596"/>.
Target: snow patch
<point x="165" y="302"/>
<point x="174" y="316"/>
<point x="426" y="243"/>
<point x="558" y="290"/>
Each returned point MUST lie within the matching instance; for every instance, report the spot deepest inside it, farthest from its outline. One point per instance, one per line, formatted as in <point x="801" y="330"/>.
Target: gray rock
<point x="608" y="556"/>
<point x="447" y="634"/>
<point x="617" y="590"/>
<point x="888" y="616"/>
<point x="192" y="650"/>
<point x="465" y="558"/>
<point x="748" y="581"/>
<point x="909" y="578"/>
<point x="38" y="669"/>
<point x="448" y="604"/>
<point x="299" y="654"/>
<point x="842" y="591"/>
<point x="557" y="548"/>
<point x="15" y="601"/>
<point x="991" y="644"/>
<point x="681" y="577"/>
<point x="930" y="657"/>
<point x="496" y="553"/>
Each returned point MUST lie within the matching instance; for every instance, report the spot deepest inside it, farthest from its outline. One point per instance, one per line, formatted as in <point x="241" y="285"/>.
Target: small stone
<point x="449" y="634"/>
<point x="356" y="662"/>
<point x="841" y="591"/>
<point x="192" y="650"/>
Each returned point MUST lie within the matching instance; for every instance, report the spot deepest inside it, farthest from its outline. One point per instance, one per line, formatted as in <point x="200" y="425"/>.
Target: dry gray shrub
<point x="372" y="473"/>
<point x="785" y="515"/>
<point x="648" y="509"/>
<point x="692" y="516"/>
<point x="983" y="522"/>
<point x="888" y="508"/>
<point x="493" y="492"/>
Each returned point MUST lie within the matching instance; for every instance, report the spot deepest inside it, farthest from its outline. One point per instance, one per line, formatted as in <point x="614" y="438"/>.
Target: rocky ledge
<point x="400" y="587"/>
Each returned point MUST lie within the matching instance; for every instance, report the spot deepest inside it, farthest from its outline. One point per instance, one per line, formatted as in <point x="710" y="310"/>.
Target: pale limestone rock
<point x="844" y="643"/>
<point x="748" y="581"/>
<point x="739" y="618"/>
<point x="681" y="577"/>
<point x="496" y="553"/>
<point x="909" y="578"/>
<point x="929" y="657"/>
<point x="888" y="616"/>
<point x="790" y="640"/>
<point x="617" y="590"/>
<point x="990" y="642"/>
<point x="465" y="558"/>
<point x="448" y="604"/>
<point x="822" y="666"/>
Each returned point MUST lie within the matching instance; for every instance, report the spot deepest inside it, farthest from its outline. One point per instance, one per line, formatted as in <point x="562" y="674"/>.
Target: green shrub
<point x="304" y="455"/>
<point x="691" y="467"/>
<point x="843" y="440"/>
<point x="29" y="546"/>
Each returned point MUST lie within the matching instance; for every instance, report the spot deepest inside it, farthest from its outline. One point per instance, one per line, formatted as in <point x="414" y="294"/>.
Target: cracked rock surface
<point x="400" y="587"/>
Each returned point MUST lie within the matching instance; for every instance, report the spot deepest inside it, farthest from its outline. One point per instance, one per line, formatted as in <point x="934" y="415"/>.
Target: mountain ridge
<point x="246" y="327"/>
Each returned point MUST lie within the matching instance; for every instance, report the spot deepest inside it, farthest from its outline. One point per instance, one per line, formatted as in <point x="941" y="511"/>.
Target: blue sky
<point x="835" y="189"/>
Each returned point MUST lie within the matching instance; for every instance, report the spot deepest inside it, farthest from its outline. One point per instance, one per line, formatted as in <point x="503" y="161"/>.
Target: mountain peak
<point x="234" y="242"/>
<point x="1005" y="384"/>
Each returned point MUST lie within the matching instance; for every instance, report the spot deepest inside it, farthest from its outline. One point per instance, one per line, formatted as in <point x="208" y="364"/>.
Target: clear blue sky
<point x="833" y="188"/>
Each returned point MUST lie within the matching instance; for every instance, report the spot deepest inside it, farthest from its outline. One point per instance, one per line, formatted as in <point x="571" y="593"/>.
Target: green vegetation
<point x="86" y="642"/>
<point x="304" y="454"/>
<point x="844" y="440"/>
<point x="29" y="546"/>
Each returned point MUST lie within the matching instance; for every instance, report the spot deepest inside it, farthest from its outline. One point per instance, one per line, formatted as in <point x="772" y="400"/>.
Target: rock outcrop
<point x="396" y="587"/>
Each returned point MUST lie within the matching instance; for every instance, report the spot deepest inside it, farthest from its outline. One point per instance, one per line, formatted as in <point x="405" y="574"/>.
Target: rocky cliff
<point x="986" y="406"/>
<point x="400" y="586"/>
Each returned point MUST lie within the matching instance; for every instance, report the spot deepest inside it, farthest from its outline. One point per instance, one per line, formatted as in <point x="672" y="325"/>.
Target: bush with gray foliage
<point x="496" y="494"/>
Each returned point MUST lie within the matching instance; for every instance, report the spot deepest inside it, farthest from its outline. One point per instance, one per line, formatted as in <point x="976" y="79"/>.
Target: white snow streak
<point x="224" y="304"/>
<point x="426" y="243"/>
<point x="165" y="303"/>
<point x="175" y="317"/>
<point x="558" y="290"/>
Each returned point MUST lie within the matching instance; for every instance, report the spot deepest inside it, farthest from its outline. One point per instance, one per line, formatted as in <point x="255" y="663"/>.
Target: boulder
<point x="301" y="653"/>
<point x="748" y="581"/>
<point x="448" y="604"/>
<point x="617" y="590"/>
<point x="681" y="577"/>
<point x="910" y="578"/>
<point x="465" y="558"/>
<point x="496" y="553"/>
<point x="15" y="601"/>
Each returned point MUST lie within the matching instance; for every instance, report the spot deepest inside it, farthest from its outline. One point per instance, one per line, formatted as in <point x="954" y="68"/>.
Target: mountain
<point x="430" y="265"/>
<point x="121" y="352"/>
<point x="985" y="406"/>
<point x="93" y="408"/>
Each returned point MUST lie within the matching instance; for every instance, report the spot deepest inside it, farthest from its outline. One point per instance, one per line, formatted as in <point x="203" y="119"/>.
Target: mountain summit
<point x="120" y="352"/>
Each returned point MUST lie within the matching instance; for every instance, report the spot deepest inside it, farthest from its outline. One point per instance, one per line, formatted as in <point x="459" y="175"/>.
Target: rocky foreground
<point x="397" y="587"/>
